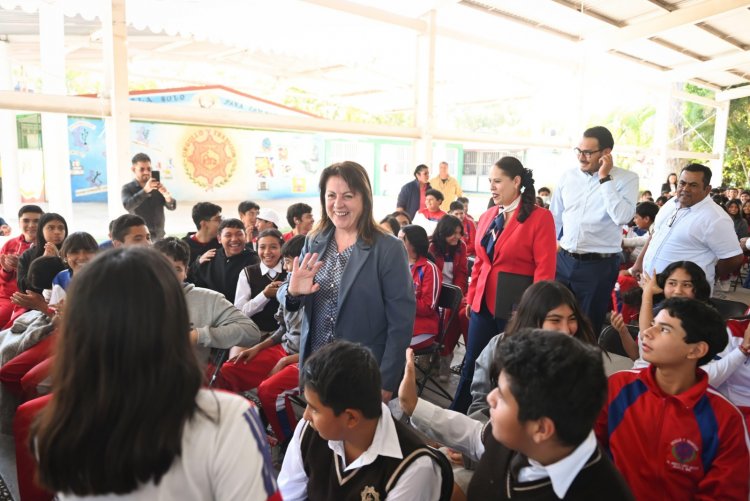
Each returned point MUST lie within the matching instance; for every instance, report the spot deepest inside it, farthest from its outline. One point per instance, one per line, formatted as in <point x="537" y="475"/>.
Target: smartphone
<point x="155" y="174"/>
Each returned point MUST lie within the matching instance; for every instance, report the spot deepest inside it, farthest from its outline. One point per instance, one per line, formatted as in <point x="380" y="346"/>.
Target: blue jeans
<point x="483" y="326"/>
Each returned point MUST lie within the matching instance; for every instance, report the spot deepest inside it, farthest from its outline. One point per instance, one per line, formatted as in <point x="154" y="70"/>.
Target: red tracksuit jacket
<point x="688" y="446"/>
<point x="427" y="282"/>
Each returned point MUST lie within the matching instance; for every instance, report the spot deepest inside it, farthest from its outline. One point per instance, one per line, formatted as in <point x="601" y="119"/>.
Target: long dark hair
<point x="701" y="287"/>
<point x="541" y="298"/>
<point x="737" y="204"/>
<point x="125" y="378"/>
<point x="445" y="228"/>
<point x="512" y="167"/>
<point x="417" y="237"/>
<point x="46" y="218"/>
<point x="356" y="177"/>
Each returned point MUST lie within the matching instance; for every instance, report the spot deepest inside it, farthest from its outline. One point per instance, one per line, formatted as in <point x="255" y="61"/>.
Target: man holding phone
<point x="146" y="196"/>
<point x="590" y="205"/>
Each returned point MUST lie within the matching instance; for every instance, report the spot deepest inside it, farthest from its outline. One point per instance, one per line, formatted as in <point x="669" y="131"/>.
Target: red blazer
<point x="528" y="248"/>
<point x="460" y="265"/>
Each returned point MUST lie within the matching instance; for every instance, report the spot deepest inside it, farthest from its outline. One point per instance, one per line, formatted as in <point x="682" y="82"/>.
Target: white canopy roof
<point x="363" y="52"/>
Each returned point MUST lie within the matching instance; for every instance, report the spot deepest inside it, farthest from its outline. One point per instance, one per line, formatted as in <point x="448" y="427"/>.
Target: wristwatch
<point x="605" y="179"/>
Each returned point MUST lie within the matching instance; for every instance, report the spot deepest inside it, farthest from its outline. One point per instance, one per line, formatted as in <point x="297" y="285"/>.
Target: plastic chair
<point x="218" y="357"/>
<point x="610" y="342"/>
<point x="728" y="308"/>
<point x="450" y="298"/>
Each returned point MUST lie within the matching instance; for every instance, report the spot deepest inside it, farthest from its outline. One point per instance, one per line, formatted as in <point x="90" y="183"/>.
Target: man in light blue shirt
<point x="590" y="206"/>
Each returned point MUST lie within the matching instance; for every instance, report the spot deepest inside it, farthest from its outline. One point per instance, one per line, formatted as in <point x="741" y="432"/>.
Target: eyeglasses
<point x="585" y="153"/>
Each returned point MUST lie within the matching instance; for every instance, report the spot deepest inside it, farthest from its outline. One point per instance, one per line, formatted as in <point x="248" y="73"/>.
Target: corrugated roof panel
<point x="626" y="11"/>
<point x="736" y="25"/>
<point x="656" y="53"/>
<point x="723" y="78"/>
<point x="697" y="40"/>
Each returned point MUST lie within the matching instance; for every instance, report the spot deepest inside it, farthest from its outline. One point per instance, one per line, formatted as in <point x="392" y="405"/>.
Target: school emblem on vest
<point x="370" y="494"/>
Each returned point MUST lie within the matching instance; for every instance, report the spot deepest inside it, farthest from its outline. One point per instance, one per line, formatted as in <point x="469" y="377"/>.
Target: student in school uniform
<point x="348" y="446"/>
<point x="669" y="433"/>
<point x="538" y="443"/>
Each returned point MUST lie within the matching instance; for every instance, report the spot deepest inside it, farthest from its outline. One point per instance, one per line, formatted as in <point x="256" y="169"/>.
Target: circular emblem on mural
<point x="209" y="157"/>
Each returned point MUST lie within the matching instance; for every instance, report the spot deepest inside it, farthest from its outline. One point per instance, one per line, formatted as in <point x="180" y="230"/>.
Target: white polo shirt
<point x="703" y="234"/>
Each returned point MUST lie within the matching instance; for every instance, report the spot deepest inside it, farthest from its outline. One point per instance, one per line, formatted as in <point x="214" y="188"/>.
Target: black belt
<point x="588" y="256"/>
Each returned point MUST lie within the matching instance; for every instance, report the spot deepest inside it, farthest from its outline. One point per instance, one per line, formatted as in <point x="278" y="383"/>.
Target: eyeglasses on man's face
<point x="585" y="153"/>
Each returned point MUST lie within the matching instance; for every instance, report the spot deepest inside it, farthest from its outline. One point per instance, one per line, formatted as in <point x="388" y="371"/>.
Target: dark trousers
<point x="482" y="327"/>
<point x="591" y="282"/>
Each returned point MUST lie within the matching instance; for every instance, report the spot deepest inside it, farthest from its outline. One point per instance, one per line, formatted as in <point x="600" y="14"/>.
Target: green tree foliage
<point x="737" y="152"/>
<point x="695" y="130"/>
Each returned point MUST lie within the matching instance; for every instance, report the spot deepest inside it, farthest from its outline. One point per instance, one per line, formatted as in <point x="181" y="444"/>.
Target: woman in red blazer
<point x="521" y="238"/>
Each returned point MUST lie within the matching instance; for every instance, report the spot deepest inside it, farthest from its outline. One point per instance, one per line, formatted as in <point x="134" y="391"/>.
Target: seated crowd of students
<point x="553" y="415"/>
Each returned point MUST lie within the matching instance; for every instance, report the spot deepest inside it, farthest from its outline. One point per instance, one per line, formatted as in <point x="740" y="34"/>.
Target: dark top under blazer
<point x="376" y="304"/>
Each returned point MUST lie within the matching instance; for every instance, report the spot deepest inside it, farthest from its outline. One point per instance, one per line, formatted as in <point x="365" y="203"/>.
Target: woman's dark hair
<point x="417" y="238"/>
<point x="125" y="378"/>
<point x="42" y="271"/>
<point x="512" y="167"/>
<point x="78" y="241"/>
<point x="403" y="214"/>
<point x="736" y="203"/>
<point x="356" y="177"/>
<point x="675" y="178"/>
<point x="445" y="228"/>
<point x="345" y="375"/>
<point x="392" y="223"/>
<point x="541" y="298"/>
<point x="272" y="232"/>
<point x="701" y="287"/>
<point x="46" y="218"/>
<point x="419" y="168"/>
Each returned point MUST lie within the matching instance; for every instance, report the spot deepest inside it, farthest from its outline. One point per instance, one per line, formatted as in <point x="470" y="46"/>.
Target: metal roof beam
<point x="735" y="93"/>
<point x="720" y="63"/>
<point x="610" y="39"/>
<point x="373" y="13"/>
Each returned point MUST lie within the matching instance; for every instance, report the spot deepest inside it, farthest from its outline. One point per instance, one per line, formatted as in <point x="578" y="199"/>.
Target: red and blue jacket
<point x="470" y="233"/>
<point x="427" y="280"/>
<point x="692" y="445"/>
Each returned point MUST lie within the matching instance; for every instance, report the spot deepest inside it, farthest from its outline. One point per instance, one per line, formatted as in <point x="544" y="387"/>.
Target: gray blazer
<point x="376" y="304"/>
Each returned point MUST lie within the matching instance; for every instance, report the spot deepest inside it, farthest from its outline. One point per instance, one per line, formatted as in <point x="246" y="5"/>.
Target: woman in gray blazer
<point x="353" y="279"/>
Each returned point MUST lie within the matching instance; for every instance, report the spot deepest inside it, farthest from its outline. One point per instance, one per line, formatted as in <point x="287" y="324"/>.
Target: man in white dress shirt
<point x="590" y="206"/>
<point x="692" y="227"/>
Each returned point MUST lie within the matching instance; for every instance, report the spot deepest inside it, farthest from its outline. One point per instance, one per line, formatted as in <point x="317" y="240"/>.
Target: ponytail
<point x="512" y="168"/>
<point x="528" y="195"/>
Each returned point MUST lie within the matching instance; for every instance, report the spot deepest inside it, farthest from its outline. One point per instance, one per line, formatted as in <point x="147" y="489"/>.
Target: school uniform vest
<point x="327" y="479"/>
<point x="264" y="318"/>
<point x="496" y="478"/>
